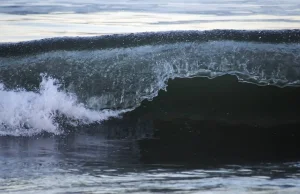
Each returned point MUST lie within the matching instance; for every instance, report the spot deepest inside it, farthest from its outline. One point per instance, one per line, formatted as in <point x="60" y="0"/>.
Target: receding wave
<point x="118" y="72"/>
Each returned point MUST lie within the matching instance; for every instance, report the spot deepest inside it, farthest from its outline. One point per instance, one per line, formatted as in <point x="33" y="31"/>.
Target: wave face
<point x="103" y="76"/>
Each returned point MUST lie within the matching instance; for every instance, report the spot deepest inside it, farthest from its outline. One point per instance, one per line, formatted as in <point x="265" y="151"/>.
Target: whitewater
<point x="26" y="113"/>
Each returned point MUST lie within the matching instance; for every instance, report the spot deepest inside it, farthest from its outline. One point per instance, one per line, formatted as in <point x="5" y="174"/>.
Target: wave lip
<point x="121" y="78"/>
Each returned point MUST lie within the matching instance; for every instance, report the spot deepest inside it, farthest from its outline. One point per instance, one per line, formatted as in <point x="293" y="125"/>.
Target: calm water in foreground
<point x="90" y="164"/>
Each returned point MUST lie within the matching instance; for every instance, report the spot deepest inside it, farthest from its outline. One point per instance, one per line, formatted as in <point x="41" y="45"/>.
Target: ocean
<point x="154" y="96"/>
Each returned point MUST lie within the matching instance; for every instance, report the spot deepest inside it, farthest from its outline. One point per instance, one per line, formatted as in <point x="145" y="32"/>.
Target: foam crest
<point x="26" y="113"/>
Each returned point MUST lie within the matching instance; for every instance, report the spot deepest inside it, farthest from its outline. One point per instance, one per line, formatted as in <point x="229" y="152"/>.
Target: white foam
<point x="26" y="113"/>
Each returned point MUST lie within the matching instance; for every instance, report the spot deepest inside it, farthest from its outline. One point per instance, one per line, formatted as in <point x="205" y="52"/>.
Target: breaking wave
<point x="25" y="113"/>
<point x="92" y="79"/>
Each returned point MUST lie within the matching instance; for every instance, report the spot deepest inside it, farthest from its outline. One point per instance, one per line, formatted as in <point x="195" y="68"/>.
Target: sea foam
<point x="26" y="113"/>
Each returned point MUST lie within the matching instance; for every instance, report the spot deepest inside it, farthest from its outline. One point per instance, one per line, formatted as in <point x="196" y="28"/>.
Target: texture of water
<point x="83" y="163"/>
<point x="80" y="162"/>
<point x="31" y="19"/>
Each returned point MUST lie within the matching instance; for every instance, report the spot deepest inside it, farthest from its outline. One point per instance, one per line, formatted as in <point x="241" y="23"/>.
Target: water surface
<point x="180" y="111"/>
